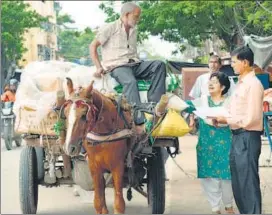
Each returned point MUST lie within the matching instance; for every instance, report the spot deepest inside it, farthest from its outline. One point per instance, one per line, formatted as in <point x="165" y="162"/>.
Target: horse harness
<point x="95" y="138"/>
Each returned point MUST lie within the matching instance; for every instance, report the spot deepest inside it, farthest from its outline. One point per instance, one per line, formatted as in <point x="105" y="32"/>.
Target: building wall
<point x="41" y="43"/>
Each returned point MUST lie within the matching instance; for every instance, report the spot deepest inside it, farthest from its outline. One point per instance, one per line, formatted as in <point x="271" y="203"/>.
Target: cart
<point x="44" y="163"/>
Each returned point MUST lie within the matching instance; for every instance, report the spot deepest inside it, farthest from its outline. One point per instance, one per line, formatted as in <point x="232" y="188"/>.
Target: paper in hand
<point x="211" y="112"/>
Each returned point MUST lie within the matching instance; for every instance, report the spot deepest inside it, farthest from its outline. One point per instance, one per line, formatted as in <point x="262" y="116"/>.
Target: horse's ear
<point x="70" y="85"/>
<point x="89" y="89"/>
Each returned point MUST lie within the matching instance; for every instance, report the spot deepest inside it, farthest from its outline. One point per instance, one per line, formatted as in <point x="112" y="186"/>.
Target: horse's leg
<point x="118" y="177"/>
<point x="99" y="192"/>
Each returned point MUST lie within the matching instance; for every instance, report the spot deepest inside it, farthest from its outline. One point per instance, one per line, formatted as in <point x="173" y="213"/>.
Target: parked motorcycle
<point x="8" y="120"/>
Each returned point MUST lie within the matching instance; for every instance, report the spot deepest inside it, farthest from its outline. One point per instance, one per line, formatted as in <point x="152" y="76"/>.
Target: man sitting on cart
<point x="119" y="54"/>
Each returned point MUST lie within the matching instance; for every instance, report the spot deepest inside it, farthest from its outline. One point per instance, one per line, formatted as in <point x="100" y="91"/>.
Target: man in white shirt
<point x="118" y="41"/>
<point x="201" y="85"/>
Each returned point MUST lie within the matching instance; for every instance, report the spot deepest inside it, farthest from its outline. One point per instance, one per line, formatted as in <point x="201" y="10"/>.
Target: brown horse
<point x="93" y="120"/>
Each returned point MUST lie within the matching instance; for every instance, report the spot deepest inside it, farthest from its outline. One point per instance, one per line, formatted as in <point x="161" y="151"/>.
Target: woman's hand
<point x="221" y="120"/>
<point x="218" y="120"/>
<point x="191" y="121"/>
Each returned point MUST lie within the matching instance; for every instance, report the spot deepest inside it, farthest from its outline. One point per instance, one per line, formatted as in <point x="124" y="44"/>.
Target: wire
<point x="269" y="11"/>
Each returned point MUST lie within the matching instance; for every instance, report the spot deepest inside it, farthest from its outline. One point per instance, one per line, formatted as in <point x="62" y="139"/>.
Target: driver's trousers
<point x="154" y="71"/>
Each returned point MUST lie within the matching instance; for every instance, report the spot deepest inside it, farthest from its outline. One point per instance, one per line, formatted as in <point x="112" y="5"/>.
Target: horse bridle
<point x="90" y="107"/>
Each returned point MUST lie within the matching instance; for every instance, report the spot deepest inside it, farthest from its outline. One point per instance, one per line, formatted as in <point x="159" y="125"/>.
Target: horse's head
<point x="79" y="114"/>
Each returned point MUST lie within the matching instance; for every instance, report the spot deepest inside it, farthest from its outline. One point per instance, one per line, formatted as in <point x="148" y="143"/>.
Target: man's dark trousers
<point x="127" y="76"/>
<point x="244" y="166"/>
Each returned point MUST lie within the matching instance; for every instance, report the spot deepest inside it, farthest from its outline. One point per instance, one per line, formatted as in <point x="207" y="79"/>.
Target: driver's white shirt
<point x="201" y="86"/>
<point x="116" y="47"/>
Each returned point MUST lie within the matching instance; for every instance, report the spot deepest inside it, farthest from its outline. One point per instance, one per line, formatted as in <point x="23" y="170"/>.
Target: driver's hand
<point x="99" y="72"/>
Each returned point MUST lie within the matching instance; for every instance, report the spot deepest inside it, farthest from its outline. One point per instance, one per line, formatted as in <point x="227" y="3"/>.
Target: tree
<point x="197" y="21"/>
<point x="75" y="44"/>
<point x="64" y="19"/>
<point x="16" y="19"/>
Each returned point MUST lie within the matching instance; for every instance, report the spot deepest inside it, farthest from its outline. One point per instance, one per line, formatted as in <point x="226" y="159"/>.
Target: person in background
<point x="201" y="85"/>
<point x="246" y="122"/>
<point x="213" y="147"/>
<point x="8" y="95"/>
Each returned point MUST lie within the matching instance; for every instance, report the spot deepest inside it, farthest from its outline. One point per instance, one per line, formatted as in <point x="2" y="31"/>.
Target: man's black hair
<point x="244" y="53"/>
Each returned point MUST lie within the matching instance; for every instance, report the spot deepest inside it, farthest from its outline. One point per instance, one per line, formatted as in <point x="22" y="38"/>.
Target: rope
<point x="47" y="141"/>
<point x="103" y="89"/>
<point x="187" y="174"/>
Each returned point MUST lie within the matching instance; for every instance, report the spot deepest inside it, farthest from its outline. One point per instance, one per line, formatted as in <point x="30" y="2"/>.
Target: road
<point x="183" y="192"/>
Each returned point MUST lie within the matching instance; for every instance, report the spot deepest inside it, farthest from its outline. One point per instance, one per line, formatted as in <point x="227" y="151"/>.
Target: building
<point x="41" y="42"/>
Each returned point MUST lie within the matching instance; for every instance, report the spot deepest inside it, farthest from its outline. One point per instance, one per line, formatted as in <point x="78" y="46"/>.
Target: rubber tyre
<point x="40" y="162"/>
<point x="7" y="137"/>
<point x="28" y="181"/>
<point x="156" y="182"/>
<point x="18" y="141"/>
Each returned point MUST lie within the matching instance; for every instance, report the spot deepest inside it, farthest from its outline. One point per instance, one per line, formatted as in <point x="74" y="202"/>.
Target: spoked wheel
<point x="28" y="181"/>
<point x="156" y="182"/>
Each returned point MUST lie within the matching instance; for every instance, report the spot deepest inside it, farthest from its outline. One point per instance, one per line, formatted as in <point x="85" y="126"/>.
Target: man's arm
<point x="94" y="54"/>
<point x="103" y="35"/>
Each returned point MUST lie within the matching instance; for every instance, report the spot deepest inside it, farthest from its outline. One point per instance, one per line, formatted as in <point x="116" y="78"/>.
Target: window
<point x="44" y="53"/>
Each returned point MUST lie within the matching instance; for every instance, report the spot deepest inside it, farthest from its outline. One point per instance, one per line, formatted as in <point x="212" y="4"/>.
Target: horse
<point x="94" y="122"/>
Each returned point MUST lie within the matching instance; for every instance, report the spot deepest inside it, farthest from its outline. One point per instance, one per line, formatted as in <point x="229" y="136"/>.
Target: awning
<point x="262" y="49"/>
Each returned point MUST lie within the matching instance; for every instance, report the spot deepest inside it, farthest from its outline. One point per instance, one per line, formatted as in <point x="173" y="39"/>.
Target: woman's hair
<point x="223" y="80"/>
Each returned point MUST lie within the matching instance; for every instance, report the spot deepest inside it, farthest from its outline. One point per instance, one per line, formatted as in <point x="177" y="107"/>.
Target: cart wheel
<point x="8" y="143"/>
<point x="7" y="137"/>
<point x="28" y="180"/>
<point x="156" y="182"/>
<point x="40" y="163"/>
<point x="18" y="141"/>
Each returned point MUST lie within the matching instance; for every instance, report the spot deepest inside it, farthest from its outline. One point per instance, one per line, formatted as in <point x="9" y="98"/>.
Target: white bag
<point x="176" y="103"/>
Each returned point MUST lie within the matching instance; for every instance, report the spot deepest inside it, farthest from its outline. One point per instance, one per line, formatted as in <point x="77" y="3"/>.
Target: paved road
<point x="184" y="194"/>
<point x="180" y="190"/>
<point x="58" y="200"/>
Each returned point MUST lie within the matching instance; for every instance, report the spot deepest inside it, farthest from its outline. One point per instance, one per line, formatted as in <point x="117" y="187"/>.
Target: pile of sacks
<point x="37" y="91"/>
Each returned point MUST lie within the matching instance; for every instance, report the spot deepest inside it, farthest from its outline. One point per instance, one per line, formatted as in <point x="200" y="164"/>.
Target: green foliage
<point x="75" y="44"/>
<point x="202" y="59"/>
<point x="198" y="20"/>
<point x="64" y="19"/>
<point x="16" y="19"/>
